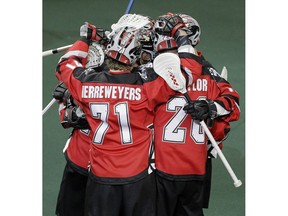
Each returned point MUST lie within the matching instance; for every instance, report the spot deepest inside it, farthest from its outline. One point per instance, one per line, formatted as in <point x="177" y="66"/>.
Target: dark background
<point x="222" y="43"/>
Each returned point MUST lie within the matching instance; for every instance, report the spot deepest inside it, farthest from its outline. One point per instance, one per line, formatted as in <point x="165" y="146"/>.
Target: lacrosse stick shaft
<point x="129" y="6"/>
<point x="237" y="182"/>
<point x="57" y="50"/>
<point x="48" y="106"/>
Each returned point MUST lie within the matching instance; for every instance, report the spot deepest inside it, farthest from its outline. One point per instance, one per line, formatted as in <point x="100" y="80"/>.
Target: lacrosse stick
<point x="129" y="6"/>
<point x="48" y="106"/>
<point x="167" y="65"/>
<point x="224" y="73"/>
<point x="57" y="50"/>
<point x="129" y="20"/>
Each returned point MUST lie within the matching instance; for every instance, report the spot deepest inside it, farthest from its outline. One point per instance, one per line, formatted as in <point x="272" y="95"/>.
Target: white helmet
<point x="95" y="56"/>
<point x="193" y="27"/>
<point x="164" y="43"/>
<point x="125" y="45"/>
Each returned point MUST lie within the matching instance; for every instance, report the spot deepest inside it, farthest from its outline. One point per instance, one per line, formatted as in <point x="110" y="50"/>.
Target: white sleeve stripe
<point x="221" y="110"/>
<point x="238" y="107"/>
<point x="75" y="53"/>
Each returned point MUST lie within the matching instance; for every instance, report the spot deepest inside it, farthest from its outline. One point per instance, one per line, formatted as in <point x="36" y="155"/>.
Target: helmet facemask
<point x="125" y="46"/>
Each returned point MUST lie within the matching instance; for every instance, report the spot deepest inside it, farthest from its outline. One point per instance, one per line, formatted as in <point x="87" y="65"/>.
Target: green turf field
<point x="222" y="43"/>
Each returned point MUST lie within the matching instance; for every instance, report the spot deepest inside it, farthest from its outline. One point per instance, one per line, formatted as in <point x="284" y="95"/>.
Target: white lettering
<point x="101" y="92"/>
<point x="96" y="92"/>
<point x="113" y="92"/>
<point x="200" y="85"/>
<point x="132" y="94"/>
<point x="108" y="90"/>
<point x="120" y="89"/>
<point x="138" y="94"/>
<point x="91" y="91"/>
<point x="84" y="91"/>
<point x="126" y="93"/>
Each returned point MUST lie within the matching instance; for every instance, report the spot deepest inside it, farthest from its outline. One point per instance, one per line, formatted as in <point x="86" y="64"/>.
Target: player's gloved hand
<point x="61" y="93"/>
<point x="168" y="24"/>
<point x="201" y="109"/>
<point x="75" y="118"/>
<point x="93" y="33"/>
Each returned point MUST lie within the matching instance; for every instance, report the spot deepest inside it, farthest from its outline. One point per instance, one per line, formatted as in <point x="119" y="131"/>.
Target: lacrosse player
<point x="219" y="127"/>
<point x="119" y="107"/>
<point x="180" y="143"/>
<point x="71" y="195"/>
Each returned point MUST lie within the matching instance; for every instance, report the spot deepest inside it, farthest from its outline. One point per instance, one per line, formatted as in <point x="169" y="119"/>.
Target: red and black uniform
<point x="180" y="142"/>
<point x="119" y="108"/>
<point x="71" y="196"/>
<point x="220" y="126"/>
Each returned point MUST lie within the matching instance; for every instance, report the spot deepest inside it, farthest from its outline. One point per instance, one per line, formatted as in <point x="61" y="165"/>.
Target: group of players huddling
<point x="137" y="148"/>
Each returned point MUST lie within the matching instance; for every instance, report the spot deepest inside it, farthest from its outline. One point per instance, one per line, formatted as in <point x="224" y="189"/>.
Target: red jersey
<point x="119" y="109"/>
<point x="78" y="145"/>
<point x="180" y="142"/>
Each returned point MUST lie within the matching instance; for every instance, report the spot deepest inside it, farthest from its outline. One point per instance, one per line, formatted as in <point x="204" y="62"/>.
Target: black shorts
<point x="131" y="199"/>
<point x="71" y="195"/>
<point x="179" y="197"/>
<point x="207" y="184"/>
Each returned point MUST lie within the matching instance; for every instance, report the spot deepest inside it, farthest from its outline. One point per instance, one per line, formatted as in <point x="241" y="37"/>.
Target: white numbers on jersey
<point x="173" y="132"/>
<point x="121" y="110"/>
<point x="101" y="111"/>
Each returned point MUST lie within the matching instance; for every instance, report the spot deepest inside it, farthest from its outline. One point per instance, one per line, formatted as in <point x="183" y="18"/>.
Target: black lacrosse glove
<point x="75" y="118"/>
<point x="61" y="93"/>
<point x="201" y="109"/>
<point x="168" y="24"/>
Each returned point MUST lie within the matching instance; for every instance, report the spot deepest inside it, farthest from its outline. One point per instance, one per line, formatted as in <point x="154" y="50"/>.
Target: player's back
<point x="180" y="142"/>
<point x="120" y="111"/>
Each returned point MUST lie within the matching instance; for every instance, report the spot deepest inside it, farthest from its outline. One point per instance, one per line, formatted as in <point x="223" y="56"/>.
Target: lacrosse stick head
<point x="136" y="21"/>
<point x="167" y="65"/>
<point x="95" y="56"/>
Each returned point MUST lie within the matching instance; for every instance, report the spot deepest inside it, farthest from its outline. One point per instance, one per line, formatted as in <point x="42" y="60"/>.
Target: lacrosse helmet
<point x="147" y="53"/>
<point x="193" y="28"/>
<point x="125" y="45"/>
<point x="95" y="56"/>
<point x="164" y="43"/>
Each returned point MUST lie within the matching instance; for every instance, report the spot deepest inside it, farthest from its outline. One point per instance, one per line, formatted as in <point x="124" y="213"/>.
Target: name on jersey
<point x="113" y="92"/>
<point x="200" y="85"/>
